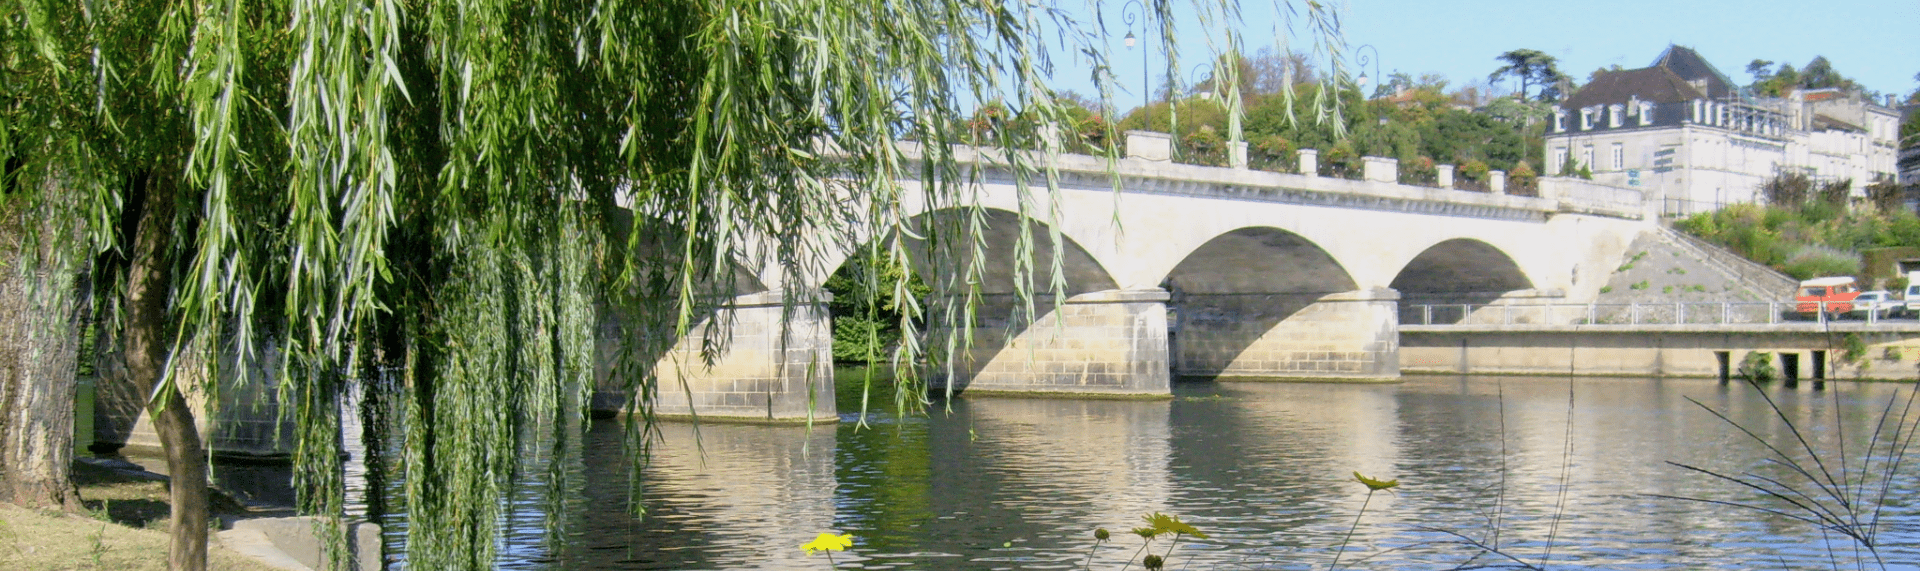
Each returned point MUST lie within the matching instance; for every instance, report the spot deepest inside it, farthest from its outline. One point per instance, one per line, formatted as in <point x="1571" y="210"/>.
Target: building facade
<point x="1685" y="133"/>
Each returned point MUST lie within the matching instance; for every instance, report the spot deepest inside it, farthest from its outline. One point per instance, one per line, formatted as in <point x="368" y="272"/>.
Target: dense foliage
<point x="868" y="293"/>
<point x="1815" y="238"/>
<point x="1422" y="125"/>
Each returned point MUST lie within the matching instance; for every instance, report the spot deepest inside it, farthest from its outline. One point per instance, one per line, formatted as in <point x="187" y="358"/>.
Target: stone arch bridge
<point x="1188" y="270"/>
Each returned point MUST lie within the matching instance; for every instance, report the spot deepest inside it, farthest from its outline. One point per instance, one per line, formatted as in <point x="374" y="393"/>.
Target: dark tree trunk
<point x="149" y="321"/>
<point x="39" y="345"/>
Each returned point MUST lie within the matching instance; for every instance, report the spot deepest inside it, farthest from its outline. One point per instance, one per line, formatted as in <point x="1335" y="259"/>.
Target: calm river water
<point x="1552" y="471"/>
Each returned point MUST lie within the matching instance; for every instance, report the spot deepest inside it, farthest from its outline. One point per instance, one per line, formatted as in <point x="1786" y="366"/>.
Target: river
<point x="1557" y="472"/>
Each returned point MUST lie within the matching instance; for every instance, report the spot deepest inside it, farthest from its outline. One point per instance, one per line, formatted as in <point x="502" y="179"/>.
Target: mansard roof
<point x="1656" y="84"/>
<point x="1688" y="64"/>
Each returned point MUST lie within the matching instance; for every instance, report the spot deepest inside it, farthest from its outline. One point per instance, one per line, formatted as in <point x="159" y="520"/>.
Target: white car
<point x="1880" y="302"/>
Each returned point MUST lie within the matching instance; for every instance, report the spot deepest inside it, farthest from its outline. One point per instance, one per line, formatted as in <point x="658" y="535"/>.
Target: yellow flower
<point x="1373" y="484"/>
<point x="828" y="542"/>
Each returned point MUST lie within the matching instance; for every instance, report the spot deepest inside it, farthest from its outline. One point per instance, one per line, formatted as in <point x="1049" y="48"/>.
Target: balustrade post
<point x="1726" y="312"/>
<point x="1426" y="314"/>
<point x="1679" y="312"/>
<point x="1633" y="313"/>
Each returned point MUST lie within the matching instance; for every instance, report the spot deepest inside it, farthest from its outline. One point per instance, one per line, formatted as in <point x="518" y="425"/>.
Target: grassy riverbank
<point x="1807" y="241"/>
<point x="125" y="531"/>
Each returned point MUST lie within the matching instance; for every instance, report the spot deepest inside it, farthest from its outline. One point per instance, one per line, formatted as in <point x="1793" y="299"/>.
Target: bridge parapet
<point x="1152" y="175"/>
<point x="1586" y="197"/>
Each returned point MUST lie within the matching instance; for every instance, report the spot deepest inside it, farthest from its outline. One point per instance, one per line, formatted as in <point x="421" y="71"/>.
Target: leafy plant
<point x="1372" y="486"/>
<point x="1757" y="367"/>
<point x="1158" y="524"/>
<point x="1853" y="350"/>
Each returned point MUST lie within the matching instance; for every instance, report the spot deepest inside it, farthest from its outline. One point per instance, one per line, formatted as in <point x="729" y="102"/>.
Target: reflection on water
<point x="1544" y="468"/>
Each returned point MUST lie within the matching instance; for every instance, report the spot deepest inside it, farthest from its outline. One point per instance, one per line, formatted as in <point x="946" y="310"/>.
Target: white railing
<point x="1673" y="313"/>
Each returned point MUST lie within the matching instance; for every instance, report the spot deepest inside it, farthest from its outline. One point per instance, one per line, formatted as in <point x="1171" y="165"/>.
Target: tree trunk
<point x="149" y="321"/>
<point x="38" y="348"/>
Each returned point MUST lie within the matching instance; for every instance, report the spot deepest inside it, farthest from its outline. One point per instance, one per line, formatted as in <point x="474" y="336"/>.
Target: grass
<point x="36" y="540"/>
<point x="1837" y="491"/>
<point x="124" y="531"/>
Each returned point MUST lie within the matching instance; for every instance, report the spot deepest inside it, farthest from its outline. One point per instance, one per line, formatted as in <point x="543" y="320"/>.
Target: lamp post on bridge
<point x="1360" y="61"/>
<point x="1193" y="77"/>
<point x="1129" y="13"/>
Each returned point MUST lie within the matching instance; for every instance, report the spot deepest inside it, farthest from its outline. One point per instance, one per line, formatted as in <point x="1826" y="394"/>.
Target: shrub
<point x="1273" y="153"/>
<point x="1523" y="181"/>
<point x="1758" y="367"/>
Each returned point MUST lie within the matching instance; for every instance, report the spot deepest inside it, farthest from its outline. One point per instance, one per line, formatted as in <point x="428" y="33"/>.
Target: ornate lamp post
<point x="1129" y="13"/>
<point x="1193" y="77"/>
<point x="1360" y="61"/>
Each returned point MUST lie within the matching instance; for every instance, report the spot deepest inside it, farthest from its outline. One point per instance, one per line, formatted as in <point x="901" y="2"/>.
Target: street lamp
<point x="1129" y="13"/>
<point x="1193" y="78"/>
<point x="1361" y="60"/>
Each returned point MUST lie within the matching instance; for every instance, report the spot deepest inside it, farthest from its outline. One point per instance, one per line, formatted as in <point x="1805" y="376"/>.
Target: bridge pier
<point x="1106" y="343"/>
<point x="763" y="370"/>
<point x="1346" y="335"/>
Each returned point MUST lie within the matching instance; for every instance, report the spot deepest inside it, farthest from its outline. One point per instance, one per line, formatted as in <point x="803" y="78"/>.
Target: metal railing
<point x="1666" y="313"/>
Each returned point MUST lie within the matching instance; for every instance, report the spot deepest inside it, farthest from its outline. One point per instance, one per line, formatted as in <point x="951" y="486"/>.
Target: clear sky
<point x="1876" y="42"/>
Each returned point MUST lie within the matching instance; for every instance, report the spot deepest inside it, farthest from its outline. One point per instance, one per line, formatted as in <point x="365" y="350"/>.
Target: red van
<point x="1835" y="295"/>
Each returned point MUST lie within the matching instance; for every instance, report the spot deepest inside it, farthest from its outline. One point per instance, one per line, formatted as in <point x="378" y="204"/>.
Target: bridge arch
<point x="1080" y="336"/>
<point x="1458" y="271"/>
<point x="1260" y="301"/>
<point x="946" y="243"/>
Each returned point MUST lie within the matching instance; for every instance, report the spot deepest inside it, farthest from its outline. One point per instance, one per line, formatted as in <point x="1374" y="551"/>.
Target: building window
<point x="1559" y="160"/>
<point x="1586" y="119"/>
<point x="1559" y="121"/>
<point x="1646" y="113"/>
<point x="1586" y="156"/>
<point x="1614" y="113"/>
<point x="1619" y="156"/>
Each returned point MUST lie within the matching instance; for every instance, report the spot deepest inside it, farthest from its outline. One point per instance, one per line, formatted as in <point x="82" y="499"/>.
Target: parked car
<point x="1833" y="296"/>
<point x="1913" y="293"/>
<point x="1879" y="303"/>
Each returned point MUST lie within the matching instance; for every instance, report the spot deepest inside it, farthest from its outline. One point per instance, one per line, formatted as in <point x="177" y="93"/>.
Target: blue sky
<point x="1875" y="42"/>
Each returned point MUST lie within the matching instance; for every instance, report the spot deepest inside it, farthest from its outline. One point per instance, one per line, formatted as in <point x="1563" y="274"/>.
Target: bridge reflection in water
<point x="1265" y="468"/>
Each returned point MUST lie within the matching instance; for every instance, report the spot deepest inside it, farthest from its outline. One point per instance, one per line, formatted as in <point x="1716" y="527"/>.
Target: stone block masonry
<point x="759" y="370"/>
<point x="1348" y="335"/>
<point x="1107" y="343"/>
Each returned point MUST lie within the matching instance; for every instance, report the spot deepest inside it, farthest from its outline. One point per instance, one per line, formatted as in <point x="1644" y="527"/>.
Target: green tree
<point x="1759" y="69"/>
<point x="1529" y="67"/>
<point x="869" y="315"/>
<point x="445" y="190"/>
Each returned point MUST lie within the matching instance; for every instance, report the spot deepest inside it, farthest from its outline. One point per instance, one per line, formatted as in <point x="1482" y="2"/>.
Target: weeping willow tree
<point x="444" y="196"/>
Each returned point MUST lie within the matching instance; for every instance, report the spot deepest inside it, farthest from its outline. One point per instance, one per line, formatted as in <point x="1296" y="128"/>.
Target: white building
<point x="1684" y="132"/>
